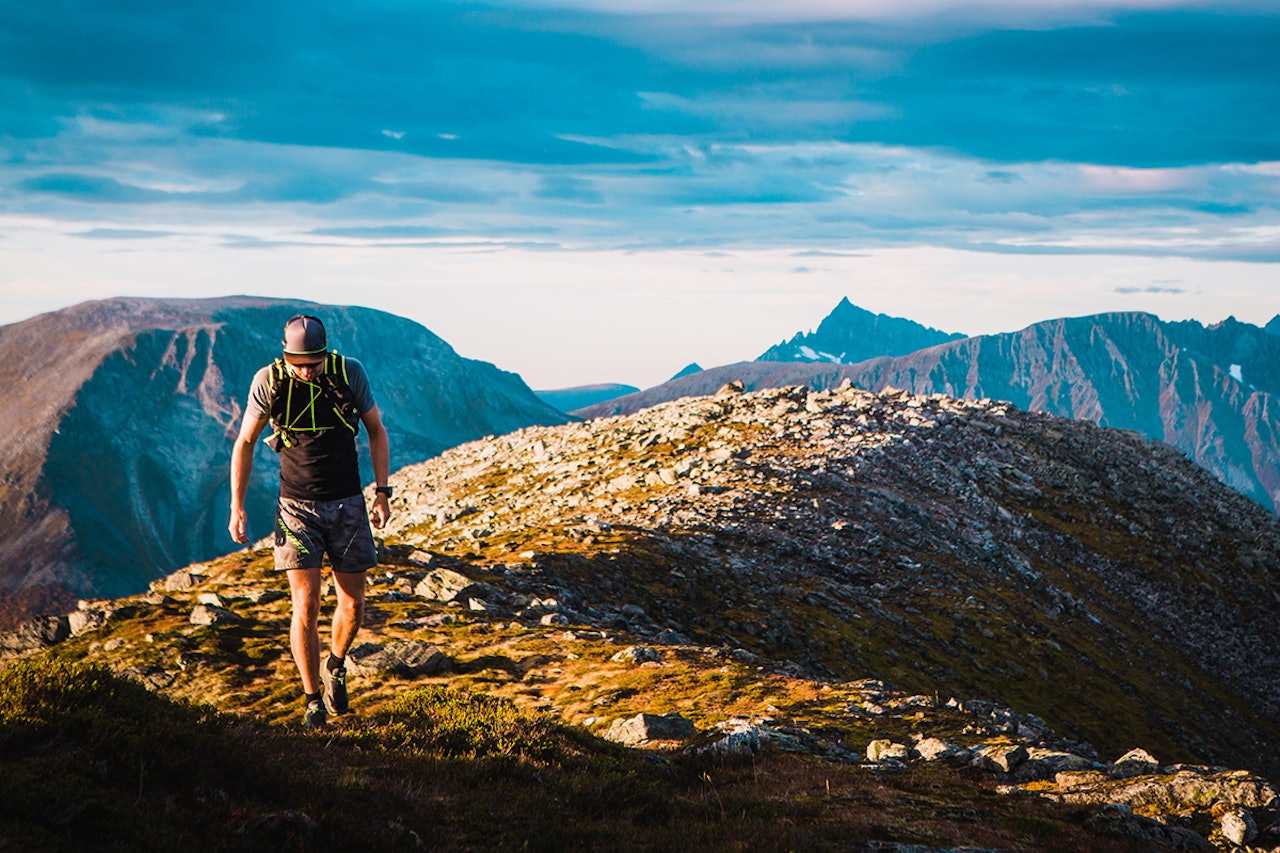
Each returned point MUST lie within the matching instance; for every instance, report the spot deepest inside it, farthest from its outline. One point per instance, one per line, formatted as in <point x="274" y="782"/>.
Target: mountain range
<point x="1209" y="391"/>
<point x="121" y="414"/>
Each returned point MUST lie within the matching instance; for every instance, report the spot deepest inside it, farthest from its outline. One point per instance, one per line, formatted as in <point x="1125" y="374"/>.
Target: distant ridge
<point x="1210" y="391"/>
<point x="121" y="413"/>
<point x="580" y="396"/>
<point x="850" y="334"/>
<point x="690" y="368"/>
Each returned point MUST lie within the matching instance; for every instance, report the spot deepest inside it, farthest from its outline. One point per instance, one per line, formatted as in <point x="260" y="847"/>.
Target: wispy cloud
<point x="1129" y="128"/>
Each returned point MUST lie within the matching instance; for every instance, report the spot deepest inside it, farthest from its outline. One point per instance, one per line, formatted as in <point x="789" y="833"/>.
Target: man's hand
<point x="238" y="526"/>
<point x="381" y="511"/>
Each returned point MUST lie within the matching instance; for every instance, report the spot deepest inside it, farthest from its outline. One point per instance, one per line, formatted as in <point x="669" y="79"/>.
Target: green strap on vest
<point x="297" y="412"/>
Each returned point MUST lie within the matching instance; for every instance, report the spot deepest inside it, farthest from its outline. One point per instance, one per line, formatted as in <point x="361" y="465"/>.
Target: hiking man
<point x="315" y="401"/>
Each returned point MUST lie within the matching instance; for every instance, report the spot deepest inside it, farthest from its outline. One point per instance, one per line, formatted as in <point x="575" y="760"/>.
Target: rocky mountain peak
<point x="850" y="334"/>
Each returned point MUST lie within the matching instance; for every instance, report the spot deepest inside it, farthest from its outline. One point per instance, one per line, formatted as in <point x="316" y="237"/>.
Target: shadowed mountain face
<point x="1090" y="576"/>
<point x="1208" y="391"/>
<point x="124" y="411"/>
<point x="850" y="334"/>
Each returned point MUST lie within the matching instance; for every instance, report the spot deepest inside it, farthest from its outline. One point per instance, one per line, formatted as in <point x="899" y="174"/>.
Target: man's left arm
<point x="380" y="455"/>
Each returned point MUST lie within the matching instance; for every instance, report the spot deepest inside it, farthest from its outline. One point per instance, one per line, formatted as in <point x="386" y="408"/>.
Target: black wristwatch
<point x="383" y="490"/>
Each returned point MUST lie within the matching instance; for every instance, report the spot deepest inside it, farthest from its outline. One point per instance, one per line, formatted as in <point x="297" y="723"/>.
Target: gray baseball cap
<point x="304" y="335"/>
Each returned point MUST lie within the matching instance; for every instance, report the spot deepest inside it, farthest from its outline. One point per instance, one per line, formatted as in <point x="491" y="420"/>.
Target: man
<point x="315" y="401"/>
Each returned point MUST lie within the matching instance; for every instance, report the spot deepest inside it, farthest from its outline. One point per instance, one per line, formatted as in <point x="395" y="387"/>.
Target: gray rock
<point x="80" y="621"/>
<point x="932" y="749"/>
<point x="405" y="657"/>
<point x="442" y="585"/>
<point x="265" y="596"/>
<point x="1049" y="764"/>
<point x="999" y="757"/>
<point x="1067" y="779"/>
<point x="739" y="739"/>
<point x="642" y="728"/>
<point x="1185" y="790"/>
<point x="179" y="581"/>
<point x="631" y="611"/>
<point x="1119" y="819"/>
<point x="881" y="750"/>
<point x="554" y="619"/>
<point x="637" y="654"/>
<point x="1238" y="827"/>
<point x="1135" y="762"/>
<point x="39" y="633"/>
<point x="210" y="614"/>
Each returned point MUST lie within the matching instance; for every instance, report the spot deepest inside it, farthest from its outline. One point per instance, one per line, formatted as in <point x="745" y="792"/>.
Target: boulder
<point x="880" y="750"/>
<point x="1119" y="819"/>
<point x="443" y="585"/>
<point x="637" y="655"/>
<point x="932" y="749"/>
<point x="1044" y="763"/>
<point x="1185" y="790"/>
<point x="38" y="633"/>
<point x="999" y="757"/>
<point x="1238" y="827"/>
<point x="1135" y="762"/>
<point x="179" y="581"/>
<point x="211" y="614"/>
<point x="405" y="657"/>
<point x="80" y="621"/>
<point x="642" y="728"/>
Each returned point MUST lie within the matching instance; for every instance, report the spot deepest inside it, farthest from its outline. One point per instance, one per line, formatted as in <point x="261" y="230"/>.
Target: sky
<point x="595" y="191"/>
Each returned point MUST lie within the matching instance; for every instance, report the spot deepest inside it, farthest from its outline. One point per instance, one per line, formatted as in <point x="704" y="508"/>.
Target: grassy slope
<point x="93" y="760"/>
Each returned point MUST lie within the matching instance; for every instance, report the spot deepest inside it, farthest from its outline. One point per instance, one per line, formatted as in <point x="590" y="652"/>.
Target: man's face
<point x="306" y="368"/>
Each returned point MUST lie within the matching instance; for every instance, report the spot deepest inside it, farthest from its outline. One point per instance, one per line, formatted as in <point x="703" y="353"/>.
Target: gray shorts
<point x="307" y="530"/>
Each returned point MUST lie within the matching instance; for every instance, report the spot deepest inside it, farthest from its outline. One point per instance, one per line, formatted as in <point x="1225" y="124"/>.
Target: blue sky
<point x="582" y="192"/>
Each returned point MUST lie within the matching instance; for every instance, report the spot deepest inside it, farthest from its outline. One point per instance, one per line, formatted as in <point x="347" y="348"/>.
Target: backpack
<point x="293" y="409"/>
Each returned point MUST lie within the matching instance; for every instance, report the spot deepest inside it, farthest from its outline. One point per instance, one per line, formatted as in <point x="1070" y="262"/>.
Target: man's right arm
<point x="241" y="467"/>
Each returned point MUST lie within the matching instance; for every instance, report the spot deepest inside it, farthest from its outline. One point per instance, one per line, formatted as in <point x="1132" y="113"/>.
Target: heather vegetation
<point x="95" y="760"/>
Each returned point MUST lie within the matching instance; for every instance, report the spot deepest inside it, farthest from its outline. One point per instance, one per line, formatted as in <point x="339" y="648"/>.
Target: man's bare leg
<point x="349" y="612"/>
<point x="304" y="630"/>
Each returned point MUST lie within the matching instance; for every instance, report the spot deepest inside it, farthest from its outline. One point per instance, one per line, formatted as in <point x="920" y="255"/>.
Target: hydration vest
<point x="300" y="408"/>
<point x="315" y="425"/>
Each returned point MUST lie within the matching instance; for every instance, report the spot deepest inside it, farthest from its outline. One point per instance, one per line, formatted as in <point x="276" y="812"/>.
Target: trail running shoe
<point x="335" y="689"/>
<point x="315" y="717"/>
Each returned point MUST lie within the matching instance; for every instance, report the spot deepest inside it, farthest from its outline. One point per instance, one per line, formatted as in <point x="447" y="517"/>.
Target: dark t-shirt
<point x="323" y="465"/>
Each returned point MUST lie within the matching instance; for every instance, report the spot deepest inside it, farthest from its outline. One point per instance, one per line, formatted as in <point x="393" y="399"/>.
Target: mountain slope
<point x="1174" y="382"/>
<point x="941" y="544"/>
<point x="807" y="573"/>
<point x="124" y="411"/>
<point x="850" y="334"/>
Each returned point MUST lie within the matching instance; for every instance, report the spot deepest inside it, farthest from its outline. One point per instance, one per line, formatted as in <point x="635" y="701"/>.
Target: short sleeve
<point x="259" y="405"/>
<point x="358" y="381"/>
